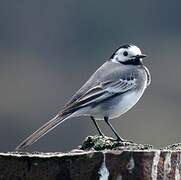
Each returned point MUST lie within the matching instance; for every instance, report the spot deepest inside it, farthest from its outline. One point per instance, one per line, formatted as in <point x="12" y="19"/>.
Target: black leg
<point x="106" y="119"/>
<point x="97" y="127"/>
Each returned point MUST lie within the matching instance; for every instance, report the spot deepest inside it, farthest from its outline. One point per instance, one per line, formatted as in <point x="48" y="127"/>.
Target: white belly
<point x="125" y="104"/>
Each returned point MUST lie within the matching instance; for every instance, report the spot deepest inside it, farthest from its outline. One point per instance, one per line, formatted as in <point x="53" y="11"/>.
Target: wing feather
<point x="101" y="92"/>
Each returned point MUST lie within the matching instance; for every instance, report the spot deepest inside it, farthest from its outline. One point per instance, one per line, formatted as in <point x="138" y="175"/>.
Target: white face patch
<point x="124" y="54"/>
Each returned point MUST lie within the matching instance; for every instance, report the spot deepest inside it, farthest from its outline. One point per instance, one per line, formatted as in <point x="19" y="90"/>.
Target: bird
<point x="113" y="89"/>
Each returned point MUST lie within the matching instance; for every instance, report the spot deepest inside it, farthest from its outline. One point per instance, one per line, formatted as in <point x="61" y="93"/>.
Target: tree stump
<point x="97" y="159"/>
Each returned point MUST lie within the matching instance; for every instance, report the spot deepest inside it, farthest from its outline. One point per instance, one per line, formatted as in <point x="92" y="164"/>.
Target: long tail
<point x="58" y="119"/>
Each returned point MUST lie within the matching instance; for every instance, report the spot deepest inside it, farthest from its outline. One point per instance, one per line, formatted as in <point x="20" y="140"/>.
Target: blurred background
<point x="48" y="49"/>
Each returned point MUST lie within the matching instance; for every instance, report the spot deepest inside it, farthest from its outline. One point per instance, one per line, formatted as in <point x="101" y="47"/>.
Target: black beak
<point x="141" y="56"/>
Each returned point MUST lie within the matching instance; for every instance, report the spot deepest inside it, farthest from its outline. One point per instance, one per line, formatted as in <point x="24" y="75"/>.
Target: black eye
<point x="125" y="53"/>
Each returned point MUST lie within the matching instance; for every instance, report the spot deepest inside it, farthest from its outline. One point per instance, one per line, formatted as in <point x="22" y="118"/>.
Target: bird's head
<point x="128" y="55"/>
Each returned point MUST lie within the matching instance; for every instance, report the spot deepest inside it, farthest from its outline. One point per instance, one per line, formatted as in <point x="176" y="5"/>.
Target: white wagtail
<point x="111" y="91"/>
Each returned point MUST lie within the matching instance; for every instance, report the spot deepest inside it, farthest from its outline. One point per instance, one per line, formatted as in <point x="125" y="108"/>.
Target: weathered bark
<point x="130" y="164"/>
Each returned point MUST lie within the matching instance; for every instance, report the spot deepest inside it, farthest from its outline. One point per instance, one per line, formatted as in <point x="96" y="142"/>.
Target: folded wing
<point x="100" y="92"/>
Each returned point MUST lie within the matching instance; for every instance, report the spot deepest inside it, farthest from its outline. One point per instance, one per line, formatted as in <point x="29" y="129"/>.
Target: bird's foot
<point x="101" y="135"/>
